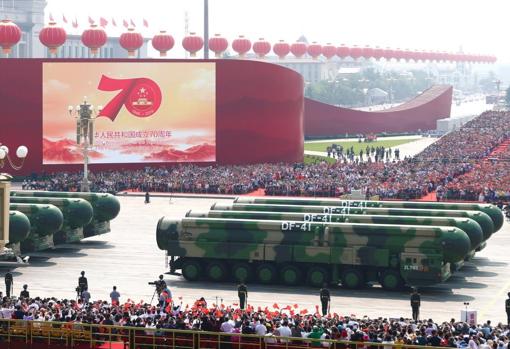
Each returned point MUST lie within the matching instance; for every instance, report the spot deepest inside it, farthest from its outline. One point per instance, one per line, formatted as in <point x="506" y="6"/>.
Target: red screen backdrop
<point x="420" y="113"/>
<point x="259" y="112"/>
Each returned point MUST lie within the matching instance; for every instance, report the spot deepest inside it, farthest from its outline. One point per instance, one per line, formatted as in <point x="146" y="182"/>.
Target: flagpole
<point x="206" y="29"/>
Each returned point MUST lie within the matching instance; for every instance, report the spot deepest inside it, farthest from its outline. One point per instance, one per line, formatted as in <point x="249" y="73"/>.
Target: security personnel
<point x="82" y="283"/>
<point x="507" y="308"/>
<point x="24" y="293"/>
<point x="9" y="284"/>
<point x="242" y="293"/>
<point x="147" y="197"/>
<point x="325" y="299"/>
<point x="415" y="304"/>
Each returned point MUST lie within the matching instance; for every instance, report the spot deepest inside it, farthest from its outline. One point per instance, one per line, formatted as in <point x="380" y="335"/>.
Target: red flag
<point x="276" y="306"/>
<point x="316" y="309"/>
<point x="51" y="17"/>
<point x="75" y="23"/>
<point x="145" y="23"/>
<point x="64" y="18"/>
<point x="125" y="23"/>
<point x="103" y="22"/>
<point x="91" y="21"/>
<point x="303" y="312"/>
<point x="113" y="22"/>
<point x="132" y="23"/>
<point x="296" y="306"/>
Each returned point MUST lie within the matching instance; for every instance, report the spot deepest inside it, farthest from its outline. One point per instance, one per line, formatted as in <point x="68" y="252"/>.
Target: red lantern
<point x="378" y="53"/>
<point x="281" y="49"/>
<point x="343" y="51"/>
<point x="261" y="47"/>
<point x="131" y="41"/>
<point x="356" y="52"/>
<point x="10" y="34"/>
<point x="398" y="54"/>
<point x="163" y="43"/>
<point x="241" y="45"/>
<point x="328" y="51"/>
<point x="298" y="49"/>
<point x="314" y="50"/>
<point x="192" y="43"/>
<point x="94" y="38"/>
<point x="218" y="45"/>
<point x="407" y="55"/>
<point x="367" y="52"/>
<point x="52" y="37"/>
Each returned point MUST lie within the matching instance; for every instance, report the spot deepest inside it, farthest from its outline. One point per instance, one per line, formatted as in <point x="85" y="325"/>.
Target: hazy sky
<point x="479" y="26"/>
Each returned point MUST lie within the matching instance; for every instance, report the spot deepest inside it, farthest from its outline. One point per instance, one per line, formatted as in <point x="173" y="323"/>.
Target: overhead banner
<point x="151" y="112"/>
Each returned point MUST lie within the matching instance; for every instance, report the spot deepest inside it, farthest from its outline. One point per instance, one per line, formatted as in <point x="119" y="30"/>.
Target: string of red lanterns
<point x="54" y="36"/>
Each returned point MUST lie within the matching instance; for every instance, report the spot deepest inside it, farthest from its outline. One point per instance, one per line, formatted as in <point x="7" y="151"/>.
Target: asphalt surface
<point x="129" y="258"/>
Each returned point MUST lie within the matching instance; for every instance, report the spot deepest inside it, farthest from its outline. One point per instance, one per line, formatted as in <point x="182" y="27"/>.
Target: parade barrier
<point x="17" y="334"/>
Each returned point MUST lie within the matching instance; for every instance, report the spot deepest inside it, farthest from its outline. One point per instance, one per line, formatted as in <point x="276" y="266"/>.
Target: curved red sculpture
<point x="420" y="113"/>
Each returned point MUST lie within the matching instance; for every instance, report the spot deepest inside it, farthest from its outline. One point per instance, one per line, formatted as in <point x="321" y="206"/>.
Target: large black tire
<point x="266" y="273"/>
<point x="291" y="275"/>
<point x="391" y="280"/>
<point x="191" y="269"/>
<point x="216" y="271"/>
<point x="242" y="272"/>
<point x="352" y="278"/>
<point x="317" y="276"/>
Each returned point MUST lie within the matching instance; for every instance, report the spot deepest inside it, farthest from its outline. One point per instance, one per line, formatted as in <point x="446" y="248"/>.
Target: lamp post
<point x="5" y="186"/>
<point x="85" y="117"/>
<point x="206" y="29"/>
<point x="466" y="304"/>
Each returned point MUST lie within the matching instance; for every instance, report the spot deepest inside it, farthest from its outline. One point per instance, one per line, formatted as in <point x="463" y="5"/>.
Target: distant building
<point x="29" y="16"/>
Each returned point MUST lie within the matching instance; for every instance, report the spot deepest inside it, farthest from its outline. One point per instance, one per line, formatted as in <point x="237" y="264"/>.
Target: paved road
<point x="128" y="257"/>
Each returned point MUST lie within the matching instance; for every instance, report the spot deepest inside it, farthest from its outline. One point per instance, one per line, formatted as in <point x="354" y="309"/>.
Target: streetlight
<point x="206" y="29"/>
<point x="84" y="115"/>
<point x="7" y="254"/>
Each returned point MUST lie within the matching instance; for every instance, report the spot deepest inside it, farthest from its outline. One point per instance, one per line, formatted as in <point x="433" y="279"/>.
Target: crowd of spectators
<point x="441" y="166"/>
<point x="290" y="322"/>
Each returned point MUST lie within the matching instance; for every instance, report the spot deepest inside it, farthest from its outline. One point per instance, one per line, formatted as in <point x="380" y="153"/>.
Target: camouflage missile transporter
<point x="61" y="217"/>
<point x="308" y="241"/>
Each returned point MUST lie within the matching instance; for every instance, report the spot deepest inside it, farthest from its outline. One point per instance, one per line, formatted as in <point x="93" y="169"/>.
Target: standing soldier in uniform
<point x="507" y="308"/>
<point x="82" y="283"/>
<point x="415" y="304"/>
<point x="242" y="293"/>
<point x="9" y="283"/>
<point x="325" y="299"/>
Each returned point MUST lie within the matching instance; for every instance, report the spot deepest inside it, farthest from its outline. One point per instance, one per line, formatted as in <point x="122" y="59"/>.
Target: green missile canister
<point x="481" y="218"/>
<point x="491" y="210"/>
<point x="469" y="226"/>
<point x="45" y="221"/>
<point x="19" y="227"/>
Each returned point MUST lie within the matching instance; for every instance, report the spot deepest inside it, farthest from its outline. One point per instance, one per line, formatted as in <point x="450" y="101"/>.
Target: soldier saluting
<point x="415" y="304"/>
<point x="325" y="299"/>
<point x="507" y="308"/>
<point x="242" y="293"/>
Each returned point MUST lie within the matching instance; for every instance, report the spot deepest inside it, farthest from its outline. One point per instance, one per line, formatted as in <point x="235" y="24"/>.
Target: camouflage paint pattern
<point x="491" y="210"/>
<point x="372" y="246"/>
<point x="19" y="227"/>
<point x="481" y="218"/>
<point x="469" y="226"/>
<point x="105" y="206"/>
<point x="77" y="212"/>
<point x="45" y="220"/>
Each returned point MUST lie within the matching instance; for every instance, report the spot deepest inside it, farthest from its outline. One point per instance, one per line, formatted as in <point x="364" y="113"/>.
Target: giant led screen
<point x="151" y="112"/>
